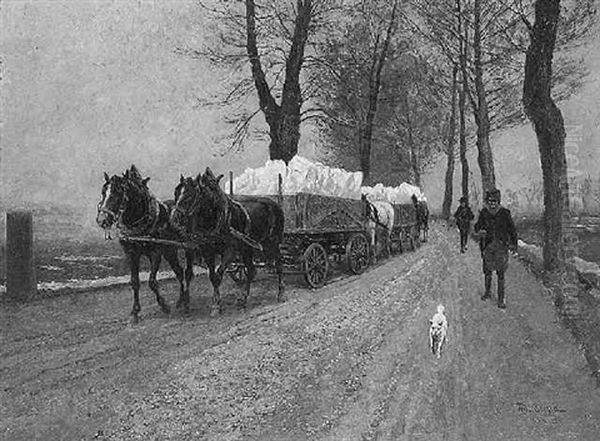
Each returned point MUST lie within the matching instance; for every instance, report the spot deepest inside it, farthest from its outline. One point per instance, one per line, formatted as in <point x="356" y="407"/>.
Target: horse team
<point x="209" y="225"/>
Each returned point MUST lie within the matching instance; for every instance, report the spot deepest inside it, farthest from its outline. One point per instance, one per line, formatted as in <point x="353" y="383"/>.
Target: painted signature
<point x="546" y="409"/>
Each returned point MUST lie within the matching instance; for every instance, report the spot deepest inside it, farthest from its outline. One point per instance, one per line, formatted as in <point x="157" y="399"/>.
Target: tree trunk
<point x="485" y="158"/>
<point x="379" y="60"/>
<point x="284" y="119"/>
<point x="448" y="192"/>
<point x="366" y="135"/>
<point x="413" y="149"/>
<point x="549" y="127"/>
<point x="462" y="103"/>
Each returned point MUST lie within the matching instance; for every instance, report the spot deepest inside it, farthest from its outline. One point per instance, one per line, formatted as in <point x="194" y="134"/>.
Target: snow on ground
<point x="82" y="285"/>
<point x="589" y="271"/>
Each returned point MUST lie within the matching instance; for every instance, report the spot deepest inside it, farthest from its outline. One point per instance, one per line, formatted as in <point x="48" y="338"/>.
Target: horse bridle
<point x="195" y="203"/>
<point x="116" y="216"/>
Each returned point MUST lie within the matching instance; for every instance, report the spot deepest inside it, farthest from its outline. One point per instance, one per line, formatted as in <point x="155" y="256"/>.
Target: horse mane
<point x="220" y="198"/>
<point x="133" y="177"/>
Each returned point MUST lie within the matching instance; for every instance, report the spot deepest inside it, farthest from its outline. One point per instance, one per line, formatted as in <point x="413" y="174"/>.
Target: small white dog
<point x="437" y="331"/>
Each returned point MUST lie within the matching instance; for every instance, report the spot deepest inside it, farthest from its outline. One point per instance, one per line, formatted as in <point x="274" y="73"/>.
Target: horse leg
<point x="373" y="248"/>
<point x="280" y="280"/>
<point x="251" y="273"/>
<point x="134" y="267"/>
<point x="171" y="257"/>
<point x="189" y="275"/>
<point x="217" y="277"/>
<point x="155" y="258"/>
<point x="215" y="308"/>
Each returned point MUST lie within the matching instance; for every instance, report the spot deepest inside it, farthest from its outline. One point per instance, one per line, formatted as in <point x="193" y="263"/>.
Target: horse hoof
<point x="166" y="309"/>
<point x="134" y="319"/>
<point x="215" y="312"/>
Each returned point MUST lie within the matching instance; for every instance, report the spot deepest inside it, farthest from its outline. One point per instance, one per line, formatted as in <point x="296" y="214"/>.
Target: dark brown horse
<point x="228" y="227"/>
<point x="127" y="203"/>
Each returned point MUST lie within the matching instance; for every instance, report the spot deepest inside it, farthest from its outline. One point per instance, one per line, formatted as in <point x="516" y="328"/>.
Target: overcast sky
<point x="94" y="86"/>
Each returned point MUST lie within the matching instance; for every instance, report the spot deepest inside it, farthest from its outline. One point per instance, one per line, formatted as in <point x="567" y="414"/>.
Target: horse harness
<point x="147" y="224"/>
<point x="223" y="226"/>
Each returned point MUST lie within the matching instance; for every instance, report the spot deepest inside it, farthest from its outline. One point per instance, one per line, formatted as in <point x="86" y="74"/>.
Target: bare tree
<point x="548" y="124"/>
<point x="380" y="51"/>
<point x="463" y="38"/>
<point x="353" y="79"/>
<point x="273" y="37"/>
<point x="284" y="118"/>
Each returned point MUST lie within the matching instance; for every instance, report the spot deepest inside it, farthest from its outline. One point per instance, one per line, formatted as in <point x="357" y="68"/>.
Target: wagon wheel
<point x="239" y="274"/>
<point x="357" y="253"/>
<point x="316" y="265"/>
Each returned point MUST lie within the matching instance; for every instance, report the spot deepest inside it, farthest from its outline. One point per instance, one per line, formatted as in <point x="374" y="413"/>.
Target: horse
<point x="127" y="203"/>
<point x="380" y="213"/>
<point x="422" y="212"/>
<point x="227" y="227"/>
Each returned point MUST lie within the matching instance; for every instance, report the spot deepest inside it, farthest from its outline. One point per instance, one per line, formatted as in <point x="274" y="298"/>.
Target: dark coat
<point x="463" y="217"/>
<point x="498" y="226"/>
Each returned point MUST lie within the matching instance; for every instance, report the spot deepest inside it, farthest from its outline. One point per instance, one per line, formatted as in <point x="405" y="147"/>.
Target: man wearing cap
<point x="463" y="218"/>
<point x="497" y="235"/>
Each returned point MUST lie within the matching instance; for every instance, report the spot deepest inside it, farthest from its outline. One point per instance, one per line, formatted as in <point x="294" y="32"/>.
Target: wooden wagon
<point x="405" y="233"/>
<point x="318" y="230"/>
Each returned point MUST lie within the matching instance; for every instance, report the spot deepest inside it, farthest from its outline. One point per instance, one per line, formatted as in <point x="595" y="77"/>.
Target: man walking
<point x="463" y="218"/>
<point x="497" y="235"/>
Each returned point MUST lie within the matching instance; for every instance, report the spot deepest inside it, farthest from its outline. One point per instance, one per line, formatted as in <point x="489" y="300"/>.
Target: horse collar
<point x="146" y="224"/>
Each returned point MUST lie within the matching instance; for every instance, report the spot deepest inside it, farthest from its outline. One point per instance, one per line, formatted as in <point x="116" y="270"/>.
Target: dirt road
<point x="347" y="362"/>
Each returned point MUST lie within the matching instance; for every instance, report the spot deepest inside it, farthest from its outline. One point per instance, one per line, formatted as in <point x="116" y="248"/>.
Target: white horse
<point x="380" y="213"/>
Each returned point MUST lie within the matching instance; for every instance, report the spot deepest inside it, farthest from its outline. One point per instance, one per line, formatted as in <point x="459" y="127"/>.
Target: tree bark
<point x="366" y="134"/>
<point x="482" y="119"/>
<point x="283" y="120"/>
<point x="549" y="127"/>
<point x="448" y="191"/>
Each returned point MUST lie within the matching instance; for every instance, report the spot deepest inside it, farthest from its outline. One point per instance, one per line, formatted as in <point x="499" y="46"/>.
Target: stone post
<point x="21" y="284"/>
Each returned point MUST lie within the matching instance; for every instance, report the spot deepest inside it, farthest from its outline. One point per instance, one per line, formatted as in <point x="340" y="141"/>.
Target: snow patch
<point x="81" y="285"/>
<point x="588" y="271"/>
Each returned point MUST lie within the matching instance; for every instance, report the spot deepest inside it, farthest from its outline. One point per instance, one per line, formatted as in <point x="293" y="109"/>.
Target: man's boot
<point x="488" y="286"/>
<point x="501" y="303"/>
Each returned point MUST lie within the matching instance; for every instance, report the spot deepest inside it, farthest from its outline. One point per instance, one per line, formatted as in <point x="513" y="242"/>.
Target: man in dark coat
<point x="497" y="235"/>
<point x="463" y="217"/>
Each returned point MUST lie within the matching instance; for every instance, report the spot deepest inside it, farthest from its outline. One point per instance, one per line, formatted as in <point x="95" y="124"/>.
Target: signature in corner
<point x="547" y="409"/>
